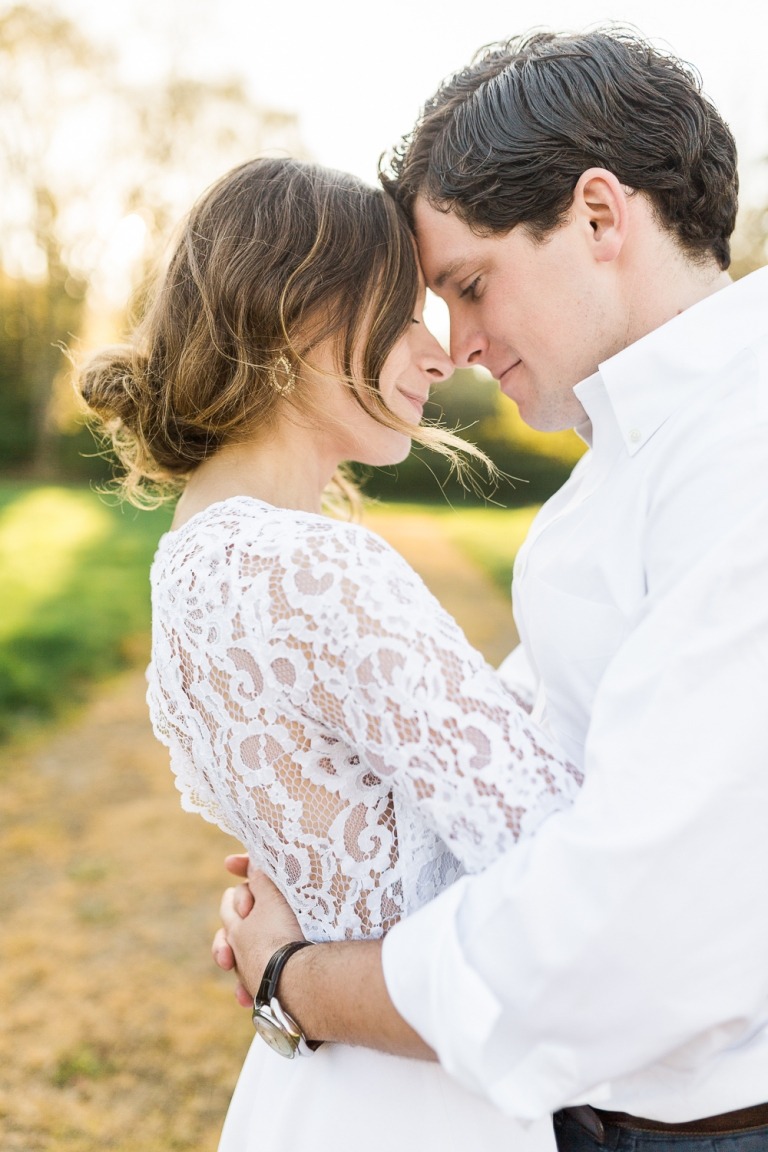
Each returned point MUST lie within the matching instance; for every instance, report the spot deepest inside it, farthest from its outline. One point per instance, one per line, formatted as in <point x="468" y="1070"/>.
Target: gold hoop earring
<point x="282" y="376"/>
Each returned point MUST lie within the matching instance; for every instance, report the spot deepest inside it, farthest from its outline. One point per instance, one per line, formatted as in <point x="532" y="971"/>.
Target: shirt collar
<point x="641" y="386"/>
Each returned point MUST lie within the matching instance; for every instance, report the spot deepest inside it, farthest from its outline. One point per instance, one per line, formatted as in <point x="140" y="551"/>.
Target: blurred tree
<point x="94" y="170"/>
<point x="191" y="131"/>
<point x="46" y="75"/>
<point x="31" y="314"/>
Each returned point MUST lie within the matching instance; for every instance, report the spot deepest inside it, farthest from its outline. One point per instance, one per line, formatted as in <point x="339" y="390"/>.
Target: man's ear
<point x="600" y="204"/>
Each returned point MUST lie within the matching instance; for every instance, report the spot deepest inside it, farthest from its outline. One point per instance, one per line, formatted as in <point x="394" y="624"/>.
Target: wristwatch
<point x="270" y="1019"/>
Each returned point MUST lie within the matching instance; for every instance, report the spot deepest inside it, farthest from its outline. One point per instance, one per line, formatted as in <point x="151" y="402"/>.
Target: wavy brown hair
<point x="275" y="257"/>
<point x="504" y="141"/>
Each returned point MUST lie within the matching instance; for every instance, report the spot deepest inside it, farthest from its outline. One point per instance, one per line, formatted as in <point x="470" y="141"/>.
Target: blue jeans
<point x="573" y="1137"/>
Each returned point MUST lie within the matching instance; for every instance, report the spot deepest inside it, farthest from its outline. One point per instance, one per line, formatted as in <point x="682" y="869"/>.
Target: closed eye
<point x="470" y="290"/>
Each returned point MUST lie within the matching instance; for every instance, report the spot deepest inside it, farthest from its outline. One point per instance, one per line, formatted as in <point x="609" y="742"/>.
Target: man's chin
<point x="545" y="417"/>
<point x="530" y="412"/>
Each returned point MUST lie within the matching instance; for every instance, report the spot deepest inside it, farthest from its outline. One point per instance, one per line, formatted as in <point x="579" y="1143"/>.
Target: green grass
<point x="75" y="596"/>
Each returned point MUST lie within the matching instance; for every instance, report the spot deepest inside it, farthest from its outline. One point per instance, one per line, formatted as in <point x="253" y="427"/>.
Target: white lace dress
<point x="321" y="706"/>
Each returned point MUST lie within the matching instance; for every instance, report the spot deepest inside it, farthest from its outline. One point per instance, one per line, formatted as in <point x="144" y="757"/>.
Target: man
<point x="573" y="199"/>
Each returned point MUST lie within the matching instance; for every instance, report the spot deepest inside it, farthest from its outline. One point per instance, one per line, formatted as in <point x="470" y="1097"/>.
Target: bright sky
<point x="356" y="73"/>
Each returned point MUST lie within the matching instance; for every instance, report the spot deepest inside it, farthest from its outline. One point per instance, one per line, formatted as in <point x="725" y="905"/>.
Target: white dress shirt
<point x="620" y="956"/>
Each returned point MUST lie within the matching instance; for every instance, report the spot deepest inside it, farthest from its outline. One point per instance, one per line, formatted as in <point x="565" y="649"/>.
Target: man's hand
<point x="256" y="922"/>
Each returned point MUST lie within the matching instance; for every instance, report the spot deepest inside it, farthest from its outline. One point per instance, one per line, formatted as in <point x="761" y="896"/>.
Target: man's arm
<point x="621" y="953"/>
<point x="335" y="991"/>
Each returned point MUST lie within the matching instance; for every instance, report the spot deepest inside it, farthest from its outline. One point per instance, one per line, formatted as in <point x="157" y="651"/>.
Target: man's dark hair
<point x="504" y="141"/>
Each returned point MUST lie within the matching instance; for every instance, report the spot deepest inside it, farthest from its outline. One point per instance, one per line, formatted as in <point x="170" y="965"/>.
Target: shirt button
<point x="635" y="435"/>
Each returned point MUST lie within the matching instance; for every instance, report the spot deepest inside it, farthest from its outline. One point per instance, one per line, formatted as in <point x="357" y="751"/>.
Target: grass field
<point x="73" y="582"/>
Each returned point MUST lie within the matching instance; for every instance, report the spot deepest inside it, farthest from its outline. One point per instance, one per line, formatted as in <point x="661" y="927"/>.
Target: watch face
<point x="274" y="1033"/>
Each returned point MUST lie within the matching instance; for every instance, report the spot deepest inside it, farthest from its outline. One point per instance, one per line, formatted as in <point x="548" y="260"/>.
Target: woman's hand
<point x="222" y="953"/>
<point x="256" y="921"/>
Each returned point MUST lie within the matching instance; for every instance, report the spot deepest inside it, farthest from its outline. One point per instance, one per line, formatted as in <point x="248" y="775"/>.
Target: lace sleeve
<point x="321" y="706"/>
<point x="369" y="656"/>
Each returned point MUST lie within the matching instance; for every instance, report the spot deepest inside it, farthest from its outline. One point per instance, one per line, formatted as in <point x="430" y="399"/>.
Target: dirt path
<point x="117" y="1032"/>
<point x="468" y="594"/>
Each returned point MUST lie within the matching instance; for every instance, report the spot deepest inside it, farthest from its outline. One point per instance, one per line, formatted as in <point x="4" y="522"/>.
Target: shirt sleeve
<point x="518" y="675"/>
<point x="599" y="947"/>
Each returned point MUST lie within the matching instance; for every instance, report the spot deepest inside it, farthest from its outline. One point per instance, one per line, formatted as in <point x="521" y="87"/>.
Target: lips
<point x="417" y="402"/>
<point x="505" y="377"/>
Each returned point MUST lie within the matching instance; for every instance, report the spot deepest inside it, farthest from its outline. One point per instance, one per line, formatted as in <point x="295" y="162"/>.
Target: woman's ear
<point x="600" y="203"/>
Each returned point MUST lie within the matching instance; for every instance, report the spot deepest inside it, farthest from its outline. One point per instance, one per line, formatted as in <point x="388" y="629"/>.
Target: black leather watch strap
<point x="274" y="968"/>
<point x="272" y="972"/>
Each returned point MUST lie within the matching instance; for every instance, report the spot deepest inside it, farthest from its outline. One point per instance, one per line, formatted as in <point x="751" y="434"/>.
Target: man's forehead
<point x="446" y="245"/>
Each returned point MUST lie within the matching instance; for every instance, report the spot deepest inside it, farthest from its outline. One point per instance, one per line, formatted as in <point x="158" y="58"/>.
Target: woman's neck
<point x="284" y="469"/>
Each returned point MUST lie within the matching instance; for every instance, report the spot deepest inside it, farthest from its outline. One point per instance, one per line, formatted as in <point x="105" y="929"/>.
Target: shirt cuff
<point x="435" y="989"/>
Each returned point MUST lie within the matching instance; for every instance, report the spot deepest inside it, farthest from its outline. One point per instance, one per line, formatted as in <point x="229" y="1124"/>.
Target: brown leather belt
<point x="596" y="1120"/>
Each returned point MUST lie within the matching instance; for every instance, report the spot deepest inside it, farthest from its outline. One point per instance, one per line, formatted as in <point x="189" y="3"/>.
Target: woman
<point x="318" y="703"/>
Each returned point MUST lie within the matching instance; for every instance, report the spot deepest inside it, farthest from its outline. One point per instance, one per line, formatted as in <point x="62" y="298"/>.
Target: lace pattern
<point x="322" y="707"/>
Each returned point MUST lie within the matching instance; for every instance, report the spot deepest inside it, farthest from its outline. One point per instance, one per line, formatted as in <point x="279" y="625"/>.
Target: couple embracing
<point x="484" y="897"/>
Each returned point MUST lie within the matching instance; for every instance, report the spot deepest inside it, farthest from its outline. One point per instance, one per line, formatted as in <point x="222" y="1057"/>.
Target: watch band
<point x="267" y="991"/>
<point x="274" y="968"/>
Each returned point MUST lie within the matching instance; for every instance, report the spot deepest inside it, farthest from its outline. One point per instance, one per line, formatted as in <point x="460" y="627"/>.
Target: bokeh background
<point x="116" y="1031"/>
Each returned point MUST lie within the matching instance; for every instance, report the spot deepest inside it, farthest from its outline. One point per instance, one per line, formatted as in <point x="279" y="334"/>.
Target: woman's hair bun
<point x="112" y="383"/>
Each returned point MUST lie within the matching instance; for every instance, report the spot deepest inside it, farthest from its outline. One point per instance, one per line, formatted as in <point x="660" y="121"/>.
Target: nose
<point x="436" y="362"/>
<point x="468" y="347"/>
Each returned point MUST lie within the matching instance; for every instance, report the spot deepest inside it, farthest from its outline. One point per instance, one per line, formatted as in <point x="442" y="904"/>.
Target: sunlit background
<point x="132" y="108"/>
<point x="355" y="74"/>
<point x="114" y="115"/>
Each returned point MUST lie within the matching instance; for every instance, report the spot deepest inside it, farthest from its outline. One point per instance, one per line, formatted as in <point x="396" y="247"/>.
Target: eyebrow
<point x="449" y="271"/>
